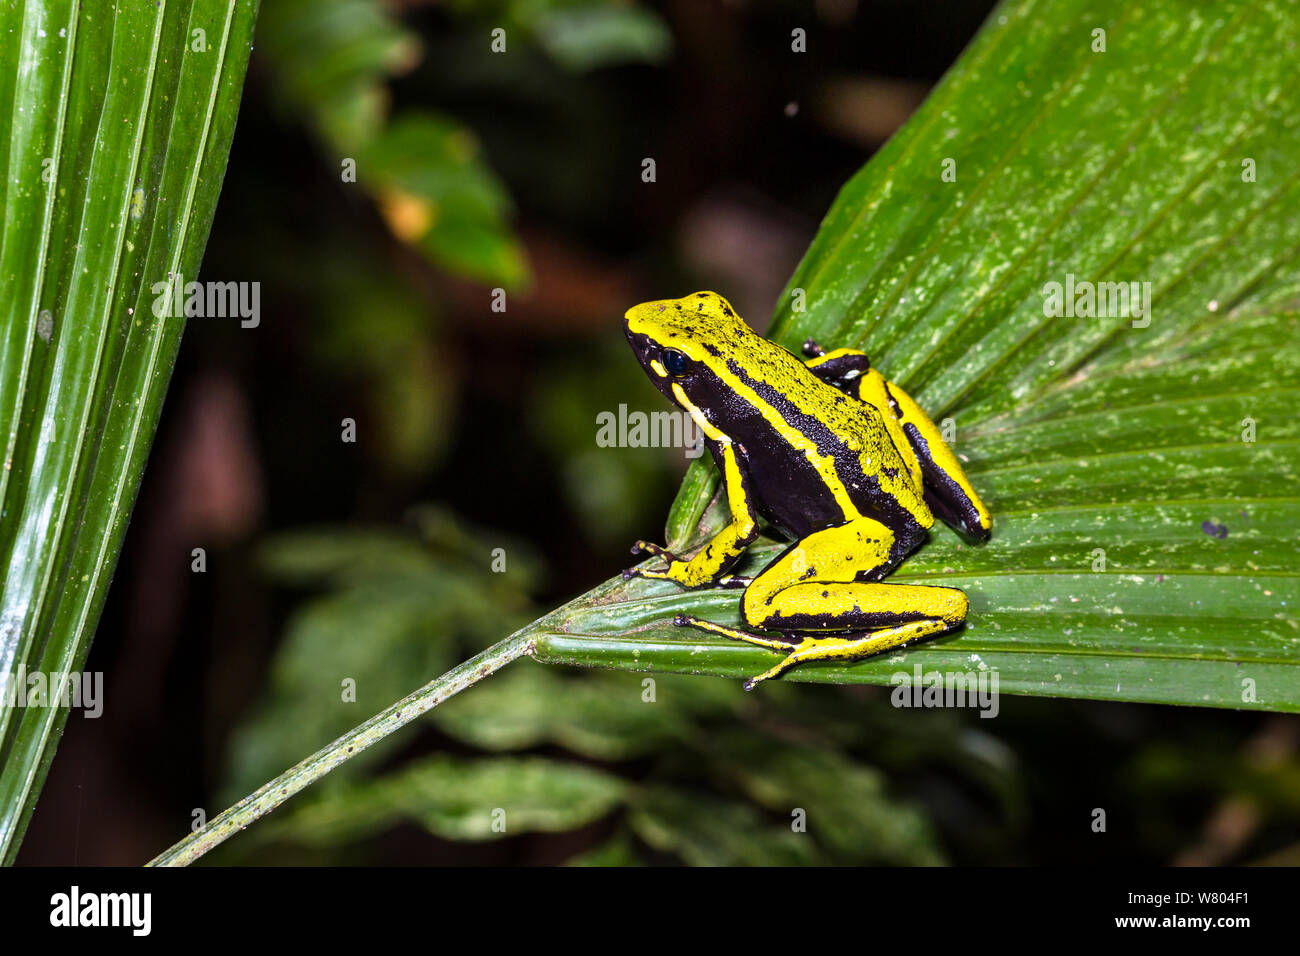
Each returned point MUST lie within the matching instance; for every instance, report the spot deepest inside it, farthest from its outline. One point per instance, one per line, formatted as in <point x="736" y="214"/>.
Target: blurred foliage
<point x="434" y="192"/>
<point x="603" y="488"/>
<point x="448" y="797"/>
<point x="392" y="610"/>
<point x="577" y="34"/>
<point x="372" y="330"/>
<point x="331" y="63"/>
<point x="333" y="60"/>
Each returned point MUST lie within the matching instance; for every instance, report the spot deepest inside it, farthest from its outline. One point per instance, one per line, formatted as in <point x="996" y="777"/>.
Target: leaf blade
<point x="1144" y="547"/>
<point x="143" y="122"/>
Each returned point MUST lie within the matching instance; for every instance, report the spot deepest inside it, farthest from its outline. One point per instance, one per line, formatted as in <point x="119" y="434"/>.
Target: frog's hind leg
<point x="947" y="490"/>
<point x="815" y="589"/>
<point x="840" y="647"/>
<point x="852" y="647"/>
<point x="830" y="582"/>
<point x="762" y="640"/>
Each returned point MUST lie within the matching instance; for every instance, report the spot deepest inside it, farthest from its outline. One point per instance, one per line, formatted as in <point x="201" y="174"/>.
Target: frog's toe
<point x="649" y="547"/>
<point x="649" y="573"/>
<point x="771" y="672"/>
<point x="732" y="581"/>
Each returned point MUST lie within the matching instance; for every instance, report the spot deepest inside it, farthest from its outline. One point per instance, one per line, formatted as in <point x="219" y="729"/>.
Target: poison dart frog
<point x="830" y="453"/>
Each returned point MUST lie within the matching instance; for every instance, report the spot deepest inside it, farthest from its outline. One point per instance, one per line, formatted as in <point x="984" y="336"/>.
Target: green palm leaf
<point x="1145" y="548"/>
<point x="118" y="121"/>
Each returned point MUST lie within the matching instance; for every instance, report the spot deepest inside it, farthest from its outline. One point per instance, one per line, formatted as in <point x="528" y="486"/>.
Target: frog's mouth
<point x="642" y="345"/>
<point x="646" y="351"/>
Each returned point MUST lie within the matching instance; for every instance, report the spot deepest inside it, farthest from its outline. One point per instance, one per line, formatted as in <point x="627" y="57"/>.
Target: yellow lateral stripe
<point x="687" y="329"/>
<point x="824" y="464"/>
<point x="737" y="499"/>
<point x="731" y="541"/>
<point x="711" y="432"/>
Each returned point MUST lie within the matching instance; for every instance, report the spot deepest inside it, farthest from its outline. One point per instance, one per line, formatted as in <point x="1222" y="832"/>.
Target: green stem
<point x="271" y="795"/>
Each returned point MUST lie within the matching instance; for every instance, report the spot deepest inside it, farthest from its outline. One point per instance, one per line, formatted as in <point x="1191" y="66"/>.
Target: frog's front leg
<point x="722" y="551"/>
<point x="813" y="596"/>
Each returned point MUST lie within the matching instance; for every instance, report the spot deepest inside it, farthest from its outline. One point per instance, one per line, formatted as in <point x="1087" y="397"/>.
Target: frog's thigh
<point x="859" y="606"/>
<point x="947" y="490"/>
<point x="812" y="586"/>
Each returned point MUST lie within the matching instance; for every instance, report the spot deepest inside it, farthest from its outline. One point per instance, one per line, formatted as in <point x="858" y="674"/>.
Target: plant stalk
<point x="262" y="801"/>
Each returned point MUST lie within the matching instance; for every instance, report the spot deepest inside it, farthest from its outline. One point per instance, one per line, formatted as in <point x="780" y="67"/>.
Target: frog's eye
<point x="675" y="362"/>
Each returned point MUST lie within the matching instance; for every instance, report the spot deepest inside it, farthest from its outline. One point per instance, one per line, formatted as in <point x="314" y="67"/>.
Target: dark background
<point x="494" y="416"/>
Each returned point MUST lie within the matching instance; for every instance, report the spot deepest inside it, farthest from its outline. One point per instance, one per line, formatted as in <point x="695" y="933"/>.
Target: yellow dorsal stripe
<point x="872" y="391"/>
<point x="901" y="487"/>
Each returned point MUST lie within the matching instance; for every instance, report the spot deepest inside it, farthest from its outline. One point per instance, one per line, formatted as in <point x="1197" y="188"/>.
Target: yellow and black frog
<point x="831" y="454"/>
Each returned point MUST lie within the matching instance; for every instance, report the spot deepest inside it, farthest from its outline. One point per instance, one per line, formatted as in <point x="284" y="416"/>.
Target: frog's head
<point x="686" y="341"/>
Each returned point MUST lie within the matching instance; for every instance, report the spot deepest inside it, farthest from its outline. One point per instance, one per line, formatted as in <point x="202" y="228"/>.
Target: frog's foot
<point x="841" y="647"/>
<point x="774" y="643"/>
<point x="649" y="547"/>
<point x="811" y="349"/>
<point x="852" y="647"/>
<point x="733" y="581"/>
